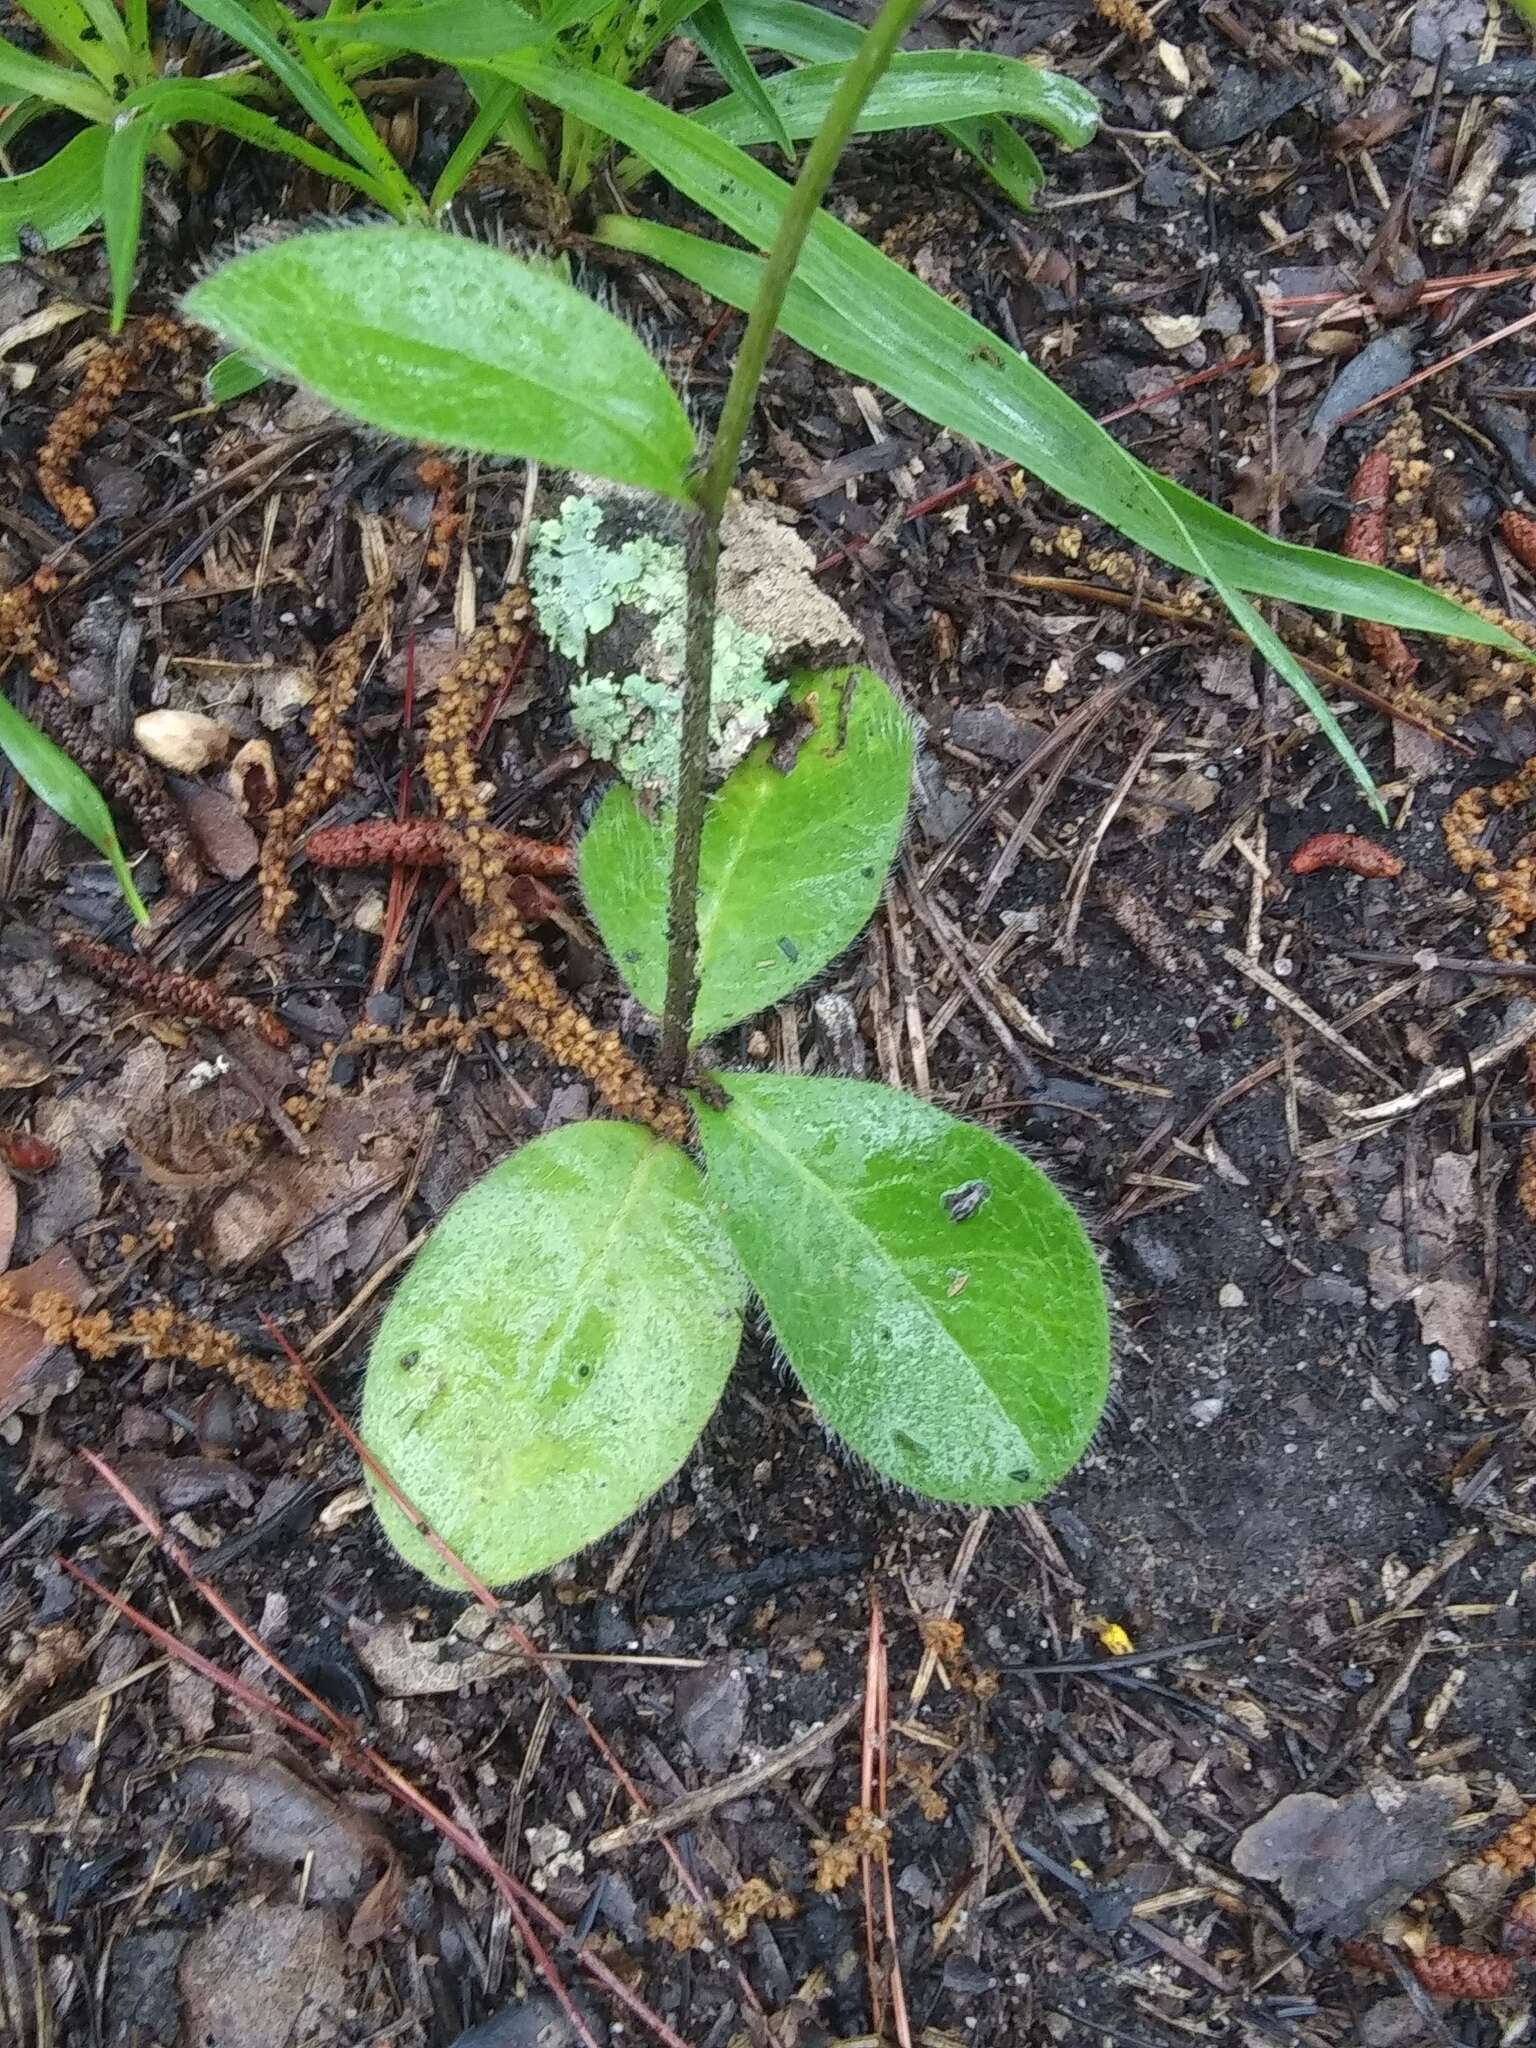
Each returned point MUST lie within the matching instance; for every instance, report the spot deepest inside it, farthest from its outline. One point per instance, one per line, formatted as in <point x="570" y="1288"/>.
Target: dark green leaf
<point x="502" y="103"/>
<point x="792" y="864"/>
<point x="59" y="201"/>
<point x="549" y="1360"/>
<point x="51" y="775"/>
<point x="438" y="339"/>
<point x="710" y="27"/>
<point x="937" y="1298"/>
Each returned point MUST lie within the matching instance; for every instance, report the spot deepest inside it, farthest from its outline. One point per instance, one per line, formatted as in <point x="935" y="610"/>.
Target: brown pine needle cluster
<point x="171" y="995"/>
<point x="330" y="772"/>
<point x="162" y="1332"/>
<point x="107" y="376"/>
<point x="21" y="625"/>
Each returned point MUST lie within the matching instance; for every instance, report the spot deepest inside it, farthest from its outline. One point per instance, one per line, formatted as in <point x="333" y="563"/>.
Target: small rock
<point x="1149" y="1256"/>
<point x="536" y="2022"/>
<point x="185" y="741"/>
<point x="264" y="1976"/>
<point x="1204" y="1413"/>
<point x="712" y="1712"/>
<point x="965" y="1978"/>
<point x="994" y="730"/>
<point x="1232" y="1296"/>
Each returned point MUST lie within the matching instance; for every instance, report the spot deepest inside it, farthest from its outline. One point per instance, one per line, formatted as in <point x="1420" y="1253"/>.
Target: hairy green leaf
<point x="866" y="314"/>
<point x="938" y="1299"/>
<point x="444" y="340"/>
<point x="22" y="73"/>
<point x="710" y="26"/>
<point x="58" y="201"/>
<point x="552" y="1355"/>
<point x="920" y="89"/>
<point x="791" y="867"/>
<point x="815" y="36"/>
<point x="51" y="775"/>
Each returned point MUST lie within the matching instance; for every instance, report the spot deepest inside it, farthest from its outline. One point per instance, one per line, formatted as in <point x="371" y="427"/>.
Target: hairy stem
<point x="710" y="493"/>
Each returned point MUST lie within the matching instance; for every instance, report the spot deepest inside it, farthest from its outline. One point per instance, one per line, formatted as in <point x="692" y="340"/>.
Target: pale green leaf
<point x="66" y="25"/>
<point x="51" y="775"/>
<point x="439" y="339"/>
<point x="453" y="31"/>
<point x="59" y="200"/>
<point x="937" y="1298"/>
<point x="553" y="1354"/>
<point x="231" y="377"/>
<point x="791" y="867"/>
<point x="122" y="203"/>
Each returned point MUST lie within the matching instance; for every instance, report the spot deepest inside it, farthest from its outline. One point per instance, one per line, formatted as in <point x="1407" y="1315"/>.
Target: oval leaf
<point x="434" y="338"/>
<point x="937" y="1298"/>
<point x="552" y="1355"/>
<point x="792" y="863"/>
<point x="58" y="201"/>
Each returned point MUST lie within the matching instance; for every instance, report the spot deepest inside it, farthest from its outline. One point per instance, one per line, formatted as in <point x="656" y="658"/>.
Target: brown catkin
<point x="1514" y="1852"/>
<point x="1519" y="531"/>
<point x="1443" y="1972"/>
<point x="1365" y="540"/>
<point x="135" y="783"/>
<point x="428" y="843"/>
<point x="155" y="1333"/>
<point x="107" y="376"/>
<point x="330" y="772"/>
<point x="171" y="995"/>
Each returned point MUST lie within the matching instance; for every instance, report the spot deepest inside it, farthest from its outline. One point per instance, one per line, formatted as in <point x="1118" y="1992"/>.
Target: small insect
<point x="963" y="1202"/>
<point x="983" y="354"/>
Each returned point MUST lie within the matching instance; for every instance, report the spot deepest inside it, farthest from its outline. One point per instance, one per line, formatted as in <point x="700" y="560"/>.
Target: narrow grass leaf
<point x="51" y="775"/>
<point x="936" y="1296"/>
<point x="435" y="338"/>
<point x="898" y="333"/>
<point x="791" y="867"/>
<point x="58" y="201"/>
<point x="66" y="25"/>
<point x="920" y="89"/>
<point x="453" y="31"/>
<point x="553" y="1354"/>
<point x="23" y="74"/>
<point x="122" y="202"/>
<point x="710" y="27"/>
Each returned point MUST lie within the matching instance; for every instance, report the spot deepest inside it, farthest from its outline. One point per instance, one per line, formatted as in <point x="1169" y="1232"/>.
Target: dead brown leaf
<point x="1445" y="1283"/>
<point x="284" y="1821"/>
<point x="1343" y="1864"/>
<point x="57" y="1652"/>
<point x="263" y="1976"/>
<point x="23" y="1347"/>
<point x="21" y="1065"/>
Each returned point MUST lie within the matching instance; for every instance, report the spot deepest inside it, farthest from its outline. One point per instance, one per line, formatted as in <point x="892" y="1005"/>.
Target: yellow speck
<point x="1115" y="1640"/>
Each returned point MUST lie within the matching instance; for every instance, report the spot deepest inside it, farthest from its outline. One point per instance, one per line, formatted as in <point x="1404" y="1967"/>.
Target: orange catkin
<point x="1443" y="1972"/>
<point x="1519" y="531"/>
<point x="428" y="843"/>
<point x="1365" y="540"/>
<point x="1344" y="850"/>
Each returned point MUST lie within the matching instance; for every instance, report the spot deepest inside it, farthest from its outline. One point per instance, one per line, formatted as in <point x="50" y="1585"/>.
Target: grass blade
<point x="501" y="107"/>
<point x="897" y="332"/>
<point x="453" y="31"/>
<point x="59" y="200"/>
<point x="51" y="776"/>
<point x="122" y="202"/>
<point x="66" y="25"/>
<point x="922" y="89"/>
<point x="23" y="74"/>
<point x="710" y="27"/>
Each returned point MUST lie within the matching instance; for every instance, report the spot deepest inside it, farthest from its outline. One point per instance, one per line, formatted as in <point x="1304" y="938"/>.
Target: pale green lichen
<point x="580" y="587"/>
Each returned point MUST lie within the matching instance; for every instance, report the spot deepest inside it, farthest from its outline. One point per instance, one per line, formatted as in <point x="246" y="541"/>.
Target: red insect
<point x="1344" y="850"/>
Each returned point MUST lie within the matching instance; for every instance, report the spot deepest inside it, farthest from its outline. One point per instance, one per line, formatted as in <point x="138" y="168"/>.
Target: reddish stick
<point x="342" y="1740"/>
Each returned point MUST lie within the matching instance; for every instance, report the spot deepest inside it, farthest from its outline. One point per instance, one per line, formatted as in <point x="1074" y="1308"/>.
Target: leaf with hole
<point x="553" y="1354"/>
<point x="51" y="775"/>
<point x="938" y="1299"/>
<point x="792" y="863"/>
<point x="435" y="338"/>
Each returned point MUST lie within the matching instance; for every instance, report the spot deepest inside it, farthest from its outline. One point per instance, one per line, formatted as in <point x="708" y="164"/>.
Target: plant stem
<point x="712" y="489"/>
